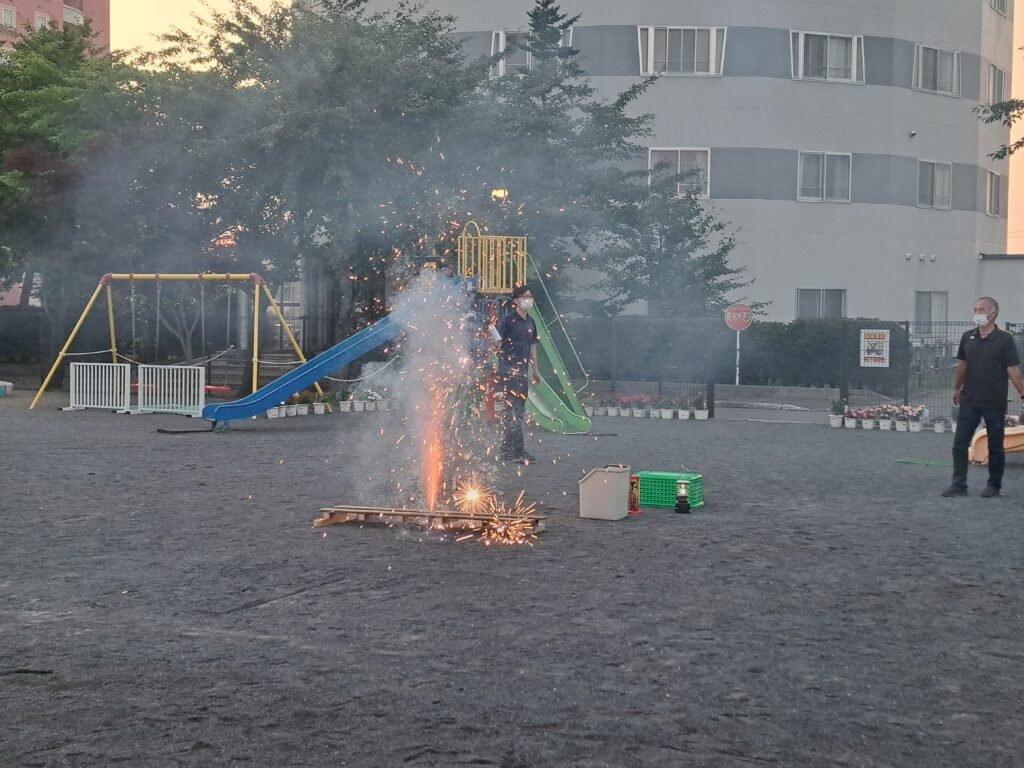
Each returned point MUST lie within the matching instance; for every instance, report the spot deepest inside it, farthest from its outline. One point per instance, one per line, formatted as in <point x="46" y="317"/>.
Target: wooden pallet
<point x="438" y="519"/>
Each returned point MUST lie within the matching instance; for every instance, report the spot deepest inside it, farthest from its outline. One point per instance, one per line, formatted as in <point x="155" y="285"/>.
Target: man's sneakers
<point x="520" y="458"/>
<point x="988" y="493"/>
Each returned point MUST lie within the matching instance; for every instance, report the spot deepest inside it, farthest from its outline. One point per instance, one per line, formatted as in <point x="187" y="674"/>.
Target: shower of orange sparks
<point x="433" y="451"/>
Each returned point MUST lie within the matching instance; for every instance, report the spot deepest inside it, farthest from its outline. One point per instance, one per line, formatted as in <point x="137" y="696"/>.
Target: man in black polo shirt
<point x="988" y="357"/>
<point x="516" y="355"/>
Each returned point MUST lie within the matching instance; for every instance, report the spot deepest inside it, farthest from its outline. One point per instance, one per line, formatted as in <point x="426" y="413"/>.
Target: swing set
<point x="105" y="285"/>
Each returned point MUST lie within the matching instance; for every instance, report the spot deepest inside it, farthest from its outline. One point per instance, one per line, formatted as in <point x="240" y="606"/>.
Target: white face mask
<point x="526" y="304"/>
<point x="981" y="320"/>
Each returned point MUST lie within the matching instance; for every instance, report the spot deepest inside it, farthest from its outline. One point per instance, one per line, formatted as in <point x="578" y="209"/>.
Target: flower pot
<point x="600" y="410"/>
<point x="291" y="410"/>
<point x="344" y="406"/>
<point x="849" y="422"/>
<point x="384" y="404"/>
<point x="613" y="410"/>
<point x="371" y="405"/>
<point x="318" y="409"/>
<point x="867" y="423"/>
<point x="700" y="414"/>
<point x="885" y="424"/>
<point x="639" y="413"/>
<point x="835" y="421"/>
<point x="358" y="405"/>
<point x="589" y="410"/>
<point x="667" y="413"/>
<point x="272" y="413"/>
<point x="901" y="426"/>
<point x="939" y="427"/>
<point x="654" y="413"/>
<point x="282" y="411"/>
<point x="684" y="414"/>
<point x="302" y="409"/>
<point x="916" y="426"/>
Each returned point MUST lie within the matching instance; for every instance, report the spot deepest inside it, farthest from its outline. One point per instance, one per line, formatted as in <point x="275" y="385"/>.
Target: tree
<point x="543" y="133"/>
<point x="665" y="248"/>
<point x="54" y="104"/>
<point x="1005" y="113"/>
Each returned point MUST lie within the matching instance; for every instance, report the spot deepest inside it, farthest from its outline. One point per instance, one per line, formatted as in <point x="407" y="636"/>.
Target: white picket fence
<point x="172" y="389"/>
<point x="161" y="388"/>
<point x="101" y="385"/>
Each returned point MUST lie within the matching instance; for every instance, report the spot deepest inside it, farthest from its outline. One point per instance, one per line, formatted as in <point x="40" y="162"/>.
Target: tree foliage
<point x="262" y="137"/>
<point x="664" y="247"/>
<point x="1005" y="113"/>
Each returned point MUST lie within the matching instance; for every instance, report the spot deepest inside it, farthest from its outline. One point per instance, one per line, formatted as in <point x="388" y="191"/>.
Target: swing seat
<point x="211" y="389"/>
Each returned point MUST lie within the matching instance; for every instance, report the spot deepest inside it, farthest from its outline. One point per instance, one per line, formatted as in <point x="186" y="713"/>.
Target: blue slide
<point x="303" y="377"/>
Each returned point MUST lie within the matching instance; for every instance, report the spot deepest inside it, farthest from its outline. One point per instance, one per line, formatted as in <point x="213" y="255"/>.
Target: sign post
<point x="738" y="317"/>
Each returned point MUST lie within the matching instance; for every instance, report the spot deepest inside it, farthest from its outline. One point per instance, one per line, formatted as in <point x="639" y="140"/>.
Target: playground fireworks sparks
<point x="472" y="497"/>
<point x="510" y="525"/>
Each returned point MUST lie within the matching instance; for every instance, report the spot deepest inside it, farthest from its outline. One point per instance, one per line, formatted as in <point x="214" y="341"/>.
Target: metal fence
<point x="670" y="357"/>
<point x="101" y="385"/>
<point x="172" y="389"/>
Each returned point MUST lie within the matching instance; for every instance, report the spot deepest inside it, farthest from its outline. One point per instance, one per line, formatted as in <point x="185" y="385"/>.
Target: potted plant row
<point x="905" y="418"/>
<point x="645" y="406"/>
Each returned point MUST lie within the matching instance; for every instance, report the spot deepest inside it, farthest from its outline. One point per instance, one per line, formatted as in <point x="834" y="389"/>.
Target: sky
<point x="135" y="22"/>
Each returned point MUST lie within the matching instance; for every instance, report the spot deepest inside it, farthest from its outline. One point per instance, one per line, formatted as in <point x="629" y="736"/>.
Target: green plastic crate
<point x="658" y="489"/>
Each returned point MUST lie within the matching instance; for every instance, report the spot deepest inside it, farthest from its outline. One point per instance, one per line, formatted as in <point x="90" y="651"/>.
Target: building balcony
<point x="73" y="12"/>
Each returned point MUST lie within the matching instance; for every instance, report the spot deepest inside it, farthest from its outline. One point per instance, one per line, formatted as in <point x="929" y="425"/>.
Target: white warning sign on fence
<point x="874" y="348"/>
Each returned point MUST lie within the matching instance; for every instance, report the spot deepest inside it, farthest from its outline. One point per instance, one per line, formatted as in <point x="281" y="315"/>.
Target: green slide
<point x="553" y="404"/>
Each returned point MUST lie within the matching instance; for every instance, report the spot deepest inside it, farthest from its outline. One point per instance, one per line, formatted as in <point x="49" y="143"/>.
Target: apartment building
<point x="838" y="138"/>
<point x="16" y="15"/>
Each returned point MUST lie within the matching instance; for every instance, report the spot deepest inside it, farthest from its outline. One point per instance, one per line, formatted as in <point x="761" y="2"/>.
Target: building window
<point x="934" y="184"/>
<point x="936" y="70"/>
<point x="42" y="21"/>
<point x="999" y="5"/>
<point x="930" y="307"/>
<point x="682" y="50"/>
<point x="7" y="19"/>
<point x="818" y="303"/>
<point x="692" y="163"/>
<point x="996" y="80"/>
<point x="818" y="56"/>
<point x="519" y="61"/>
<point x="824" y="177"/>
<point x="992" y="196"/>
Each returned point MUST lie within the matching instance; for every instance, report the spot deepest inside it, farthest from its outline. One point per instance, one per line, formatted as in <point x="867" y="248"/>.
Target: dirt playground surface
<point x="164" y="601"/>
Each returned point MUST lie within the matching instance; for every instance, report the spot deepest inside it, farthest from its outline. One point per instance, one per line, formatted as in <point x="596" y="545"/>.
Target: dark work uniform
<point x="518" y="336"/>
<point x="983" y="397"/>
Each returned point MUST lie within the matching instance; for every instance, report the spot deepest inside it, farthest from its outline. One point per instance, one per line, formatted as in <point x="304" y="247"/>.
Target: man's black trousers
<point x="967" y="422"/>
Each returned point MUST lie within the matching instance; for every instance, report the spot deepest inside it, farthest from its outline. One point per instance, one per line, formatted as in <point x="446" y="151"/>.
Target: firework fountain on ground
<point x="442" y="387"/>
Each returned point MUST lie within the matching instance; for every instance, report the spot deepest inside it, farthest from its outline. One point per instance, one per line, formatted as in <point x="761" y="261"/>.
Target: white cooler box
<point x="604" y="493"/>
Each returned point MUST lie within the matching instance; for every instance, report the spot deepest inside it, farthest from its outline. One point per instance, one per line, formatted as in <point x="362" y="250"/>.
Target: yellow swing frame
<point x="111" y="277"/>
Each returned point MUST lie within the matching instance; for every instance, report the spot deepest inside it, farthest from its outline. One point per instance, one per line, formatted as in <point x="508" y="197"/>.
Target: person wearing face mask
<point x="517" y="357"/>
<point x="988" y="358"/>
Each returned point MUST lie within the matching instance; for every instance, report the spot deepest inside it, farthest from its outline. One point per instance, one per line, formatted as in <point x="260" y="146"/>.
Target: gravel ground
<point x="164" y="601"/>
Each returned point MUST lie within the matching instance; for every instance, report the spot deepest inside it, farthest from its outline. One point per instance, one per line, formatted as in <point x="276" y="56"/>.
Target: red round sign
<point x="738" y="317"/>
